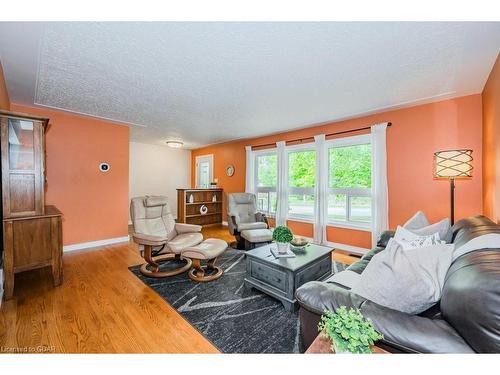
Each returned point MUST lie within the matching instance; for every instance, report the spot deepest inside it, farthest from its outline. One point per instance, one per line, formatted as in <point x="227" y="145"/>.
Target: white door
<point x="204" y="170"/>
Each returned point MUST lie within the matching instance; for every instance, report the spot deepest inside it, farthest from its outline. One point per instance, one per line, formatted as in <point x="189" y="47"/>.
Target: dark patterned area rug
<point x="235" y="318"/>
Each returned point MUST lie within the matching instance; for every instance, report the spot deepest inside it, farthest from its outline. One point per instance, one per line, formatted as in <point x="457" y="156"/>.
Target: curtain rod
<point x="326" y="135"/>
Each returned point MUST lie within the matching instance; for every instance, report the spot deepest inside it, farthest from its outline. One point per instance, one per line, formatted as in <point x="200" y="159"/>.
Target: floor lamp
<point x="452" y="164"/>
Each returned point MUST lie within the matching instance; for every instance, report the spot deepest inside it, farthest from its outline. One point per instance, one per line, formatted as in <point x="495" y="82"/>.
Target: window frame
<point x="265" y="189"/>
<point x="310" y="146"/>
<point x="348" y="192"/>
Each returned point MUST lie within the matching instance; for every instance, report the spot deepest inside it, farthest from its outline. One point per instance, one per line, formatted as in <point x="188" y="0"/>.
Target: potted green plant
<point x="348" y="331"/>
<point x="282" y="235"/>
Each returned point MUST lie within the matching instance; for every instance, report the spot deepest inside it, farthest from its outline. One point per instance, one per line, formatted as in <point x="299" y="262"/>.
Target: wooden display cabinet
<point x="32" y="232"/>
<point x="189" y="212"/>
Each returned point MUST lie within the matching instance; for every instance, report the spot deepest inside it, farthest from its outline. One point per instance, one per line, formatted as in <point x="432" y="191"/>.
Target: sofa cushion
<point x="406" y="280"/>
<point x="360" y="265"/>
<point x="409" y="240"/>
<point x="417" y="221"/>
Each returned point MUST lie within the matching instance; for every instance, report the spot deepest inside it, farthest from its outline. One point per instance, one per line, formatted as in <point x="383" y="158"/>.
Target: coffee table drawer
<point x="314" y="272"/>
<point x="269" y="275"/>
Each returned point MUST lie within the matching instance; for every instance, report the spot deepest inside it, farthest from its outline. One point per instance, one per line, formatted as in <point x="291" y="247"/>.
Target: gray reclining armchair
<point x="159" y="237"/>
<point x="243" y="215"/>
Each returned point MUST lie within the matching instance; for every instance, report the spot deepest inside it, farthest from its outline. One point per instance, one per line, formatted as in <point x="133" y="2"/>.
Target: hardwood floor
<point x="100" y="308"/>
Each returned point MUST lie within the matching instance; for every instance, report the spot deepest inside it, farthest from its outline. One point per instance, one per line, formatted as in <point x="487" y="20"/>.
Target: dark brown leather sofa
<point x="467" y="319"/>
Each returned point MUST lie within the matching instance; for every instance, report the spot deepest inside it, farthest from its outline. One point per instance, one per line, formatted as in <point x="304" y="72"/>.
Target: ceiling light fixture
<point x="175" y="144"/>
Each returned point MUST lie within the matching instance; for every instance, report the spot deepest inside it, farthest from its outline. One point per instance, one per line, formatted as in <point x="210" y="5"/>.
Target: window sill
<point x="349" y="225"/>
<point x="301" y="219"/>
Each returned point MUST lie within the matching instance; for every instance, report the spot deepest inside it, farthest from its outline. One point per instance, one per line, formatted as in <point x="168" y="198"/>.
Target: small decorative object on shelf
<point x="191" y="198"/>
<point x="282" y="235"/>
<point x="203" y="210"/>
<point x="348" y="331"/>
<point x="214" y="198"/>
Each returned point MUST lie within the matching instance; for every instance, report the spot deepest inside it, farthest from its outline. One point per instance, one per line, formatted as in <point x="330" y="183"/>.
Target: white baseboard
<point x="92" y="244"/>
<point x="224" y="223"/>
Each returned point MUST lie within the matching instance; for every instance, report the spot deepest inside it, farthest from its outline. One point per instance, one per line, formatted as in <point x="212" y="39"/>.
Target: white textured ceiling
<point x="212" y="82"/>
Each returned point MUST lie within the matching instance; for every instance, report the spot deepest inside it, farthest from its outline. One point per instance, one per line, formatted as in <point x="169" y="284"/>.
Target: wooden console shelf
<point x="189" y="212"/>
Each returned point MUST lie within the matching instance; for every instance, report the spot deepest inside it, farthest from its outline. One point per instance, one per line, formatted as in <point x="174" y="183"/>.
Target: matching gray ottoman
<point x="254" y="237"/>
<point x="208" y="251"/>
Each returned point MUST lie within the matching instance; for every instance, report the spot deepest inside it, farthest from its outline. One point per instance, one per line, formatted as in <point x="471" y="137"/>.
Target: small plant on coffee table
<point x="282" y="234"/>
<point x="349" y="331"/>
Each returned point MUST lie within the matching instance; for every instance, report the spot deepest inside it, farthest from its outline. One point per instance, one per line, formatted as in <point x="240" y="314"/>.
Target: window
<point x="301" y="181"/>
<point x="266" y="170"/>
<point x="349" y="182"/>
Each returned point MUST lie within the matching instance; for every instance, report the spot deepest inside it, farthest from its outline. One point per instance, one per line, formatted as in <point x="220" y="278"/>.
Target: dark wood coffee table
<point x="280" y="277"/>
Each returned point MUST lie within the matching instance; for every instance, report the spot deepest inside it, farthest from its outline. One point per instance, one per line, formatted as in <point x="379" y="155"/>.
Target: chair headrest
<point x="154" y="201"/>
<point x="242" y="198"/>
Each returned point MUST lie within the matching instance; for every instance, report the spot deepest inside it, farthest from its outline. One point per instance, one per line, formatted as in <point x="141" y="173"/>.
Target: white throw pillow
<point x="410" y="281"/>
<point x="421" y="242"/>
<point x="417" y="221"/>
<point x="409" y="240"/>
<point x="442" y="227"/>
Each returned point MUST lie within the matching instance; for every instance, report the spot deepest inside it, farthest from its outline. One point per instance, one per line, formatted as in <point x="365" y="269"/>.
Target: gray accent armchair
<point x="243" y="215"/>
<point x="159" y="237"/>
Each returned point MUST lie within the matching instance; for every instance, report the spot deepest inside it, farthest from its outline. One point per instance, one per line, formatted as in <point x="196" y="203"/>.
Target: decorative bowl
<point x="299" y="243"/>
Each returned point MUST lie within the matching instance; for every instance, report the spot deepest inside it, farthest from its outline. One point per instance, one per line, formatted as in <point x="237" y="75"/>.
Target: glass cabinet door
<point x="21" y="148"/>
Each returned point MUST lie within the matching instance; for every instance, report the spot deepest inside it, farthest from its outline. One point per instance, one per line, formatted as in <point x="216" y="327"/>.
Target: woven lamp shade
<point x="453" y="164"/>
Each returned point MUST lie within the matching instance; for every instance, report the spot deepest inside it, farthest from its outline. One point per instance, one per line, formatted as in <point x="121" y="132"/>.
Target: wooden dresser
<point x="32" y="231"/>
<point x="189" y="210"/>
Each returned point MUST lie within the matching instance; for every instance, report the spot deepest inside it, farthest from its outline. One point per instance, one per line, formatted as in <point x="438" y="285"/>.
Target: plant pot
<point x="337" y="350"/>
<point x="282" y="247"/>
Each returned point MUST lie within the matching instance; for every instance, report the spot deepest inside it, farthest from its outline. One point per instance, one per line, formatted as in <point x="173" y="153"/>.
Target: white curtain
<point x="282" y="185"/>
<point x="250" y="175"/>
<point x="320" y="190"/>
<point x="380" y="202"/>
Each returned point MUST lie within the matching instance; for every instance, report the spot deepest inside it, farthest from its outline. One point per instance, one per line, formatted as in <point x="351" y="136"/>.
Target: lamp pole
<point x="452" y="199"/>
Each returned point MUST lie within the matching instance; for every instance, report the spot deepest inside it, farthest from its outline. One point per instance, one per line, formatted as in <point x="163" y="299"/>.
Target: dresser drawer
<point x="269" y="275"/>
<point x="314" y="271"/>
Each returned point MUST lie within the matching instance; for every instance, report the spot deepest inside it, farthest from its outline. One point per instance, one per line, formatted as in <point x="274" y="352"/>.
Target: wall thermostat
<point x="104" y="167"/>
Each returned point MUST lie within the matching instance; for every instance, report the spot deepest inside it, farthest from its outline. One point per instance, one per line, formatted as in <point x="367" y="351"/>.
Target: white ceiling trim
<point x="88" y="115"/>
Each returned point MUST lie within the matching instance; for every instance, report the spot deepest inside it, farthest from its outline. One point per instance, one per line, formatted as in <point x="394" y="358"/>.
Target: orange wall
<point x="94" y="204"/>
<point x="417" y="132"/>
<point x="491" y="144"/>
<point x="4" y="95"/>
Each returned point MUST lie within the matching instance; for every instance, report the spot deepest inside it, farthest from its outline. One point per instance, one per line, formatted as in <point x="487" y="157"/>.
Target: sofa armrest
<point x="384" y="238"/>
<point x="409" y="333"/>
<point x="145" y="239"/>
<point x="187" y="228"/>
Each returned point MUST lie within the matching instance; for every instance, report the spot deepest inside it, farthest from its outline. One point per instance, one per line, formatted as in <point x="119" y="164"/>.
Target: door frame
<point x="210" y="159"/>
